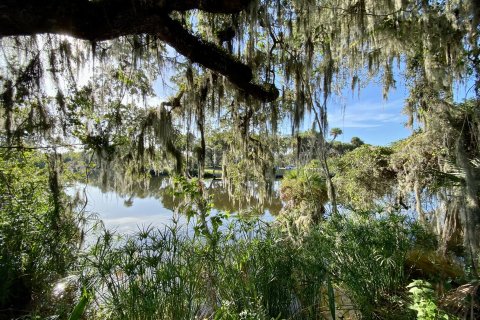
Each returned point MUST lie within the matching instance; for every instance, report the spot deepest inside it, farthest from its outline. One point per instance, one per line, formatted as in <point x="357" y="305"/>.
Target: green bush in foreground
<point x="424" y="302"/>
<point x="38" y="235"/>
<point x="214" y="267"/>
<point x="253" y="271"/>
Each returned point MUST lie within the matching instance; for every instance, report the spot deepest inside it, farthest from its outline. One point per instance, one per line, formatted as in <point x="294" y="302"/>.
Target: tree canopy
<point x="143" y="85"/>
<point x="81" y="72"/>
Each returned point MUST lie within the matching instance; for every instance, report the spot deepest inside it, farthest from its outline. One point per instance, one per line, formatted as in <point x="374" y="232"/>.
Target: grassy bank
<point x="252" y="270"/>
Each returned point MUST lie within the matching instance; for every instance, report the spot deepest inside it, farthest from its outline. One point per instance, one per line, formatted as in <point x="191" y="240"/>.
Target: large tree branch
<point x="110" y="19"/>
<point x="214" y="58"/>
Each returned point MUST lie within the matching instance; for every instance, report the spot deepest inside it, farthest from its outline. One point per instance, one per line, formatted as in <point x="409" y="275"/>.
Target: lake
<point x="149" y="203"/>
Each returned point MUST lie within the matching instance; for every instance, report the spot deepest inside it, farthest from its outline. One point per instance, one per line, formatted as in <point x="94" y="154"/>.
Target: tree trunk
<point x="471" y="216"/>
<point x="418" y="202"/>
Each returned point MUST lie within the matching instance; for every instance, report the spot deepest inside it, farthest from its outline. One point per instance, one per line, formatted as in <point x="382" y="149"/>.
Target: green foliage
<point x="256" y="273"/>
<point x="305" y="184"/>
<point x="335" y="132"/>
<point x="304" y="192"/>
<point x="80" y="307"/>
<point x="38" y="234"/>
<point x="424" y="301"/>
<point x="152" y="274"/>
<point x="365" y="255"/>
<point x="251" y="274"/>
<point x="252" y="270"/>
<point x="356" y="142"/>
<point x="338" y="148"/>
<point x="363" y="176"/>
<point x="197" y="206"/>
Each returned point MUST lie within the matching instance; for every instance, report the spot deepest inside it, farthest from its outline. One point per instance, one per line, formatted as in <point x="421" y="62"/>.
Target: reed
<point x="252" y="271"/>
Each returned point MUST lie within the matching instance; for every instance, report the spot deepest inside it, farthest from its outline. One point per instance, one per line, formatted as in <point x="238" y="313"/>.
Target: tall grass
<point x="365" y="255"/>
<point x="252" y="272"/>
<point x="154" y="274"/>
<point x="175" y="274"/>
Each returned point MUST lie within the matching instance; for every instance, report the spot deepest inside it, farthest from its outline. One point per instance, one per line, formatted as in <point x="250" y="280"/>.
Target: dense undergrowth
<point x="253" y="270"/>
<point x="39" y="232"/>
<point x="349" y="265"/>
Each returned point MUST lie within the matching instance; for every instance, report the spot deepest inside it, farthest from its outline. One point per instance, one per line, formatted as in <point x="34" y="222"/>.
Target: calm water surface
<point x="150" y="204"/>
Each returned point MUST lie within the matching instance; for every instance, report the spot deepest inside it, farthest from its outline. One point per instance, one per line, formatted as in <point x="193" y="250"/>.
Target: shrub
<point x="38" y="234"/>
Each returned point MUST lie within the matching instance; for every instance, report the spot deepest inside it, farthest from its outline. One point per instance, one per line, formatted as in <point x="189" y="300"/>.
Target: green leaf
<point x="81" y="306"/>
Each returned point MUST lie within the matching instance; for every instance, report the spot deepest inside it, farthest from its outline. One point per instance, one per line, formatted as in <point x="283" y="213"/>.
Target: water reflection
<point x="149" y="202"/>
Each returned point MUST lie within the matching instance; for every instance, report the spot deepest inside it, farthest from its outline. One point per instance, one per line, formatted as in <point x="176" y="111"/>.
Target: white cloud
<point x="367" y="114"/>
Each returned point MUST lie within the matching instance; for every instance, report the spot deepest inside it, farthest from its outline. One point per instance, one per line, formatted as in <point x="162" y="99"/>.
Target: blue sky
<point x="364" y="114"/>
<point x="368" y="116"/>
<point x="376" y="121"/>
